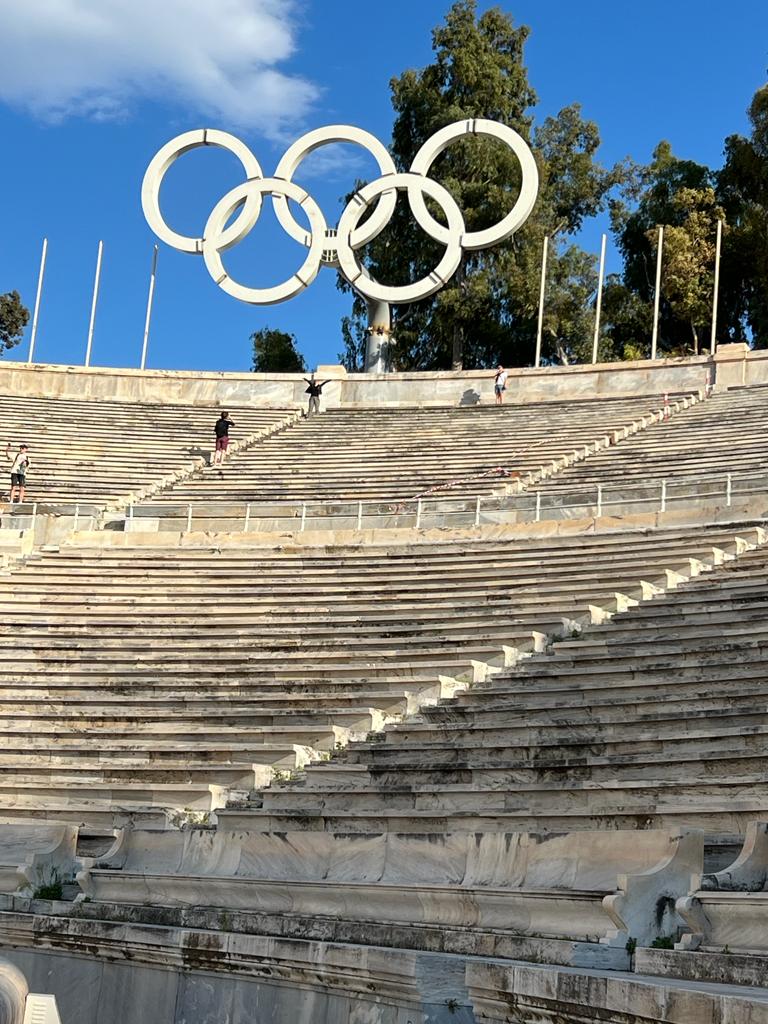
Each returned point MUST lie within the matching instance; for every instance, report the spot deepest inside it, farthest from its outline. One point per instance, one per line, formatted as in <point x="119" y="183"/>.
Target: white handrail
<point x="526" y="506"/>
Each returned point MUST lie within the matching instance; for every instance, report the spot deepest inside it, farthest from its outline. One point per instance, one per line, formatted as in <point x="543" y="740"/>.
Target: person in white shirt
<point x="500" y="384"/>
<point x="19" y="465"/>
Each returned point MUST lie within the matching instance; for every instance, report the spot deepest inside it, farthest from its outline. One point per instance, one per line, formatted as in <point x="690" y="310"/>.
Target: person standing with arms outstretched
<point x="221" y="430"/>
<point x="500" y="384"/>
<point x="20" y="463"/>
<point x="314" y="390"/>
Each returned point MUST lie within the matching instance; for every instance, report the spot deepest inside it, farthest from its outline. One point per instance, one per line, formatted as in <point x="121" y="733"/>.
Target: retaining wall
<point x="733" y="365"/>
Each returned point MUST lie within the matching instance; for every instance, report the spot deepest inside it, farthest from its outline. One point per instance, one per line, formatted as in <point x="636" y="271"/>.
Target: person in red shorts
<point x="221" y="430"/>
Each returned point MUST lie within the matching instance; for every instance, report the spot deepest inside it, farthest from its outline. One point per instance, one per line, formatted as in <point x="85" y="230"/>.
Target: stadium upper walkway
<point x="114" y="437"/>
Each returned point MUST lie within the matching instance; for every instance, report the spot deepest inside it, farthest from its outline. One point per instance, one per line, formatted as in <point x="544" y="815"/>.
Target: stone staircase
<point x="726" y="434"/>
<point x="150" y="684"/>
<point x="653" y="719"/>
<point x="100" y="453"/>
<point x="397" y="454"/>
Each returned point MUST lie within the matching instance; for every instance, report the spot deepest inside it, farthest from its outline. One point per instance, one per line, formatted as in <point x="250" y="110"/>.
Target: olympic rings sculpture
<point x="337" y="247"/>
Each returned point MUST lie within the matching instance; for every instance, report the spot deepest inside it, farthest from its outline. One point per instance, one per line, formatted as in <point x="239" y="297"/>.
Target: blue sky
<point x="88" y="94"/>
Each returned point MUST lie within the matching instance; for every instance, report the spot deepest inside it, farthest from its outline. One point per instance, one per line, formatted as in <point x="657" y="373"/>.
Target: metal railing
<point x="24" y="515"/>
<point x="528" y="506"/>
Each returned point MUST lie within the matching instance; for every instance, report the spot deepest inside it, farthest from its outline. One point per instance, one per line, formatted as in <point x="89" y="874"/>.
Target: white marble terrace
<point x="473" y="776"/>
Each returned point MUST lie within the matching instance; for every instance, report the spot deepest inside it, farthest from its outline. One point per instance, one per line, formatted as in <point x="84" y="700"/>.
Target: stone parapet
<point x="526" y="993"/>
<point x="349" y="390"/>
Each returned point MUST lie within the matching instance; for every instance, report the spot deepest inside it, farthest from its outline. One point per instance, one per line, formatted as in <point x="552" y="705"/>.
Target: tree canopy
<point x="275" y="352"/>
<point x="14" y="317"/>
<point x="742" y="188"/>
<point x="488" y="311"/>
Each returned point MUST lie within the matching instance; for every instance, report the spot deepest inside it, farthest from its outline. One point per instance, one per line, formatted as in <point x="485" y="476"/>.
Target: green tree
<point x="488" y="310"/>
<point x="653" y="198"/>
<point x="14" y="317"/>
<point x="627" y="320"/>
<point x="742" y="188"/>
<point x="688" y="258"/>
<point x="354" y="337"/>
<point x="276" y="352"/>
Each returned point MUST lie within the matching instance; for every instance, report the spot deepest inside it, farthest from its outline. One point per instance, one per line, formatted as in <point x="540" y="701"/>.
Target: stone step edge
<point x="542" y="643"/>
<point x="614" y="438"/>
<point x="196" y="467"/>
<point x="595" y="615"/>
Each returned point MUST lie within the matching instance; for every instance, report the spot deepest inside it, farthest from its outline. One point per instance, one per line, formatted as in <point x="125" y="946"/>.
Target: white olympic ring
<point x="169" y="154"/>
<point x="519" y="213"/>
<point x="337" y="246"/>
<point x="359" y="203"/>
<point x="307" y="144"/>
<point x="219" y="238"/>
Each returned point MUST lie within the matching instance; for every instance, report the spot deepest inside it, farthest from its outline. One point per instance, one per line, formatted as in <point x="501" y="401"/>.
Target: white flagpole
<point x="541" y="299"/>
<point x="37" y="300"/>
<point x="599" y="306"/>
<point x="150" y="299"/>
<point x="96" y="280"/>
<point x="657" y="295"/>
<point x="718" y="246"/>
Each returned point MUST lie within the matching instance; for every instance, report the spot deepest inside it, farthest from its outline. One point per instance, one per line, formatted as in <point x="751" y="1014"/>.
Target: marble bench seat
<point x="424" y="449"/>
<point x="729" y="910"/>
<point x="351" y="695"/>
<point x="587" y="887"/>
<point x="32" y="855"/>
<point x="725" y="434"/>
<point x="471" y="726"/>
<point x="181" y="653"/>
<point x="651" y="706"/>
<point x="283" y="572"/>
<point x="741" y="732"/>
<point x="716" y="816"/>
<point x="128" y="772"/>
<point x="590" y="796"/>
<point x="344" y="776"/>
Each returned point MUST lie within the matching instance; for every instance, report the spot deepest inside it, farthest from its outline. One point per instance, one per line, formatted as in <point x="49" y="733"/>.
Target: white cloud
<point x="95" y="58"/>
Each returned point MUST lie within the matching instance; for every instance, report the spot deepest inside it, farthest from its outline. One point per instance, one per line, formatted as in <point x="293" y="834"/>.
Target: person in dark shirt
<point x="221" y="430"/>
<point x="314" y="390"/>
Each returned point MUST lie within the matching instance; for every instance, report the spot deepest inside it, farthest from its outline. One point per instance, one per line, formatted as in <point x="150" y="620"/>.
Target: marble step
<point x="557" y="768"/>
<point x="716" y="816"/>
<point x="529" y="798"/>
<point x="493" y="730"/>
<point x="481" y="752"/>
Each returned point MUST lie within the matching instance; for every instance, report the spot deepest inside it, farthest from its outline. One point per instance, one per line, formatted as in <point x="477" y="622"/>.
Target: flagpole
<point x="599" y="306"/>
<point x="150" y="299"/>
<point x="540" y="328"/>
<point x="36" y="313"/>
<point x="657" y="294"/>
<point x="716" y="297"/>
<point x="96" y="281"/>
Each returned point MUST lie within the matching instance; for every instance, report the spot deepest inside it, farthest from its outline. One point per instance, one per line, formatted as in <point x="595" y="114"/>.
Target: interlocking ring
<point x="307" y="144"/>
<point x="519" y="213"/>
<point x="415" y="184"/>
<point x="338" y="246"/>
<point x="169" y="154"/>
<point x="219" y="238"/>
